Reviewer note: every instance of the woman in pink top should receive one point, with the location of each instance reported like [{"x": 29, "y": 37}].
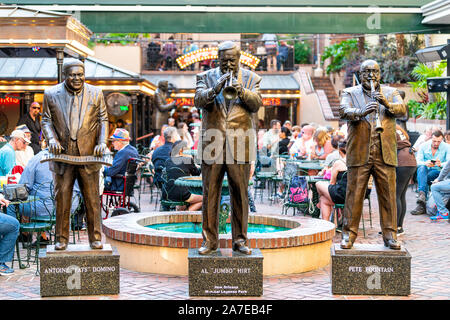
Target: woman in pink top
[{"x": 322, "y": 146}]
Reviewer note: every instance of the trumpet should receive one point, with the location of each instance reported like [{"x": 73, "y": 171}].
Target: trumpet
[
  {"x": 378, "y": 126},
  {"x": 230, "y": 92}
]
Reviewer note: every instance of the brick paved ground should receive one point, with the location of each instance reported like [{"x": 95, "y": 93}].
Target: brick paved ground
[{"x": 427, "y": 242}]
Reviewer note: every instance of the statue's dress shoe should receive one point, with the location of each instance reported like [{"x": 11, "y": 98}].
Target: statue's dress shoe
[
  {"x": 346, "y": 244},
  {"x": 96, "y": 245},
  {"x": 205, "y": 249},
  {"x": 392, "y": 244},
  {"x": 242, "y": 248},
  {"x": 60, "y": 246}
]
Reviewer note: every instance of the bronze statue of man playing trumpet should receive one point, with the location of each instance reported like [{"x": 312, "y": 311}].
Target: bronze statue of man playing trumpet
[
  {"x": 371, "y": 110},
  {"x": 228, "y": 95}
]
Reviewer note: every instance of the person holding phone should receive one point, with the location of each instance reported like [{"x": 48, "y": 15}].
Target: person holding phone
[{"x": 431, "y": 158}]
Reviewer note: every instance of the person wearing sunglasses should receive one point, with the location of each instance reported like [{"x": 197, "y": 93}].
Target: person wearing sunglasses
[{"x": 32, "y": 121}]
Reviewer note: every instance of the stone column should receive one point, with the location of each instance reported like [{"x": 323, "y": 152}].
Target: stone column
[
  {"x": 59, "y": 62},
  {"x": 134, "y": 102}
]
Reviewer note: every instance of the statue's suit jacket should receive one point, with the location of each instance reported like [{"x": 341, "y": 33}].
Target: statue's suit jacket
[
  {"x": 231, "y": 118},
  {"x": 93, "y": 128},
  {"x": 359, "y": 129}
]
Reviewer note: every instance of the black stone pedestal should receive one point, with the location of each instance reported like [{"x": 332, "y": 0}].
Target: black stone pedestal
[
  {"x": 370, "y": 269},
  {"x": 225, "y": 273},
  {"x": 79, "y": 270}
]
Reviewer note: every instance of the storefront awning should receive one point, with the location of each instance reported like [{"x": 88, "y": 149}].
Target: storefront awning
[
  {"x": 246, "y": 16},
  {"x": 22, "y": 74},
  {"x": 45, "y": 68}
]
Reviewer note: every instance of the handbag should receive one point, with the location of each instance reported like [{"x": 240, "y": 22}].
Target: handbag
[
  {"x": 15, "y": 192},
  {"x": 298, "y": 190}
]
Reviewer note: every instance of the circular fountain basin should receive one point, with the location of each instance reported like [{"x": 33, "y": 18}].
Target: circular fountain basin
[
  {"x": 303, "y": 246},
  {"x": 196, "y": 227}
]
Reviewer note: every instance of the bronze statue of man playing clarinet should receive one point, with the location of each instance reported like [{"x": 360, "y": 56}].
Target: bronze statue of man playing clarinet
[
  {"x": 371, "y": 110},
  {"x": 75, "y": 123}
]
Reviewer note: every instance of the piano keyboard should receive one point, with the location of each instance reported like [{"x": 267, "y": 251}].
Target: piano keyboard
[{"x": 106, "y": 159}]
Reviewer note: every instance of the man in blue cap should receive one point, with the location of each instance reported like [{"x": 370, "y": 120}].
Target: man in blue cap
[{"x": 125, "y": 151}]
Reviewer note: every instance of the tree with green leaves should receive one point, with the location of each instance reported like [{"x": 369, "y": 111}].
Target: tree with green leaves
[
  {"x": 338, "y": 53},
  {"x": 432, "y": 105}
]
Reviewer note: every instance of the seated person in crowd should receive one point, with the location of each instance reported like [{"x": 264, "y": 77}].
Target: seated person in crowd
[
  {"x": 431, "y": 157},
  {"x": 270, "y": 138},
  {"x": 195, "y": 138},
  {"x": 334, "y": 155},
  {"x": 18, "y": 141},
  {"x": 178, "y": 166},
  {"x": 288, "y": 125},
  {"x": 440, "y": 189},
  {"x": 333, "y": 192},
  {"x": 295, "y": 134},
  {"x": 285, "y": 134},
  {"x": 125, "y": 151},
  {"x": 9, "y": 231},
  {"x": 447, "y": 137},
  {"x": 38, "y": 179},
  {"x": 161, "y": 154},
  {"x": 158, "y": 141},
  {"x": 302, "y": 147},
  {"x": 283, "y": 149},
  {"x": 322, "y": 145},
  {"x": 23, "y": 156},
  {"x": 183, "y": 132},
  {"x": 424, "y": 137}
]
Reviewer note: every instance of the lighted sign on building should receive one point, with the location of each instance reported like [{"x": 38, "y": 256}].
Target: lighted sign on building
[
  {"x": 9, "y": 101},
  {"x": 271, "y": 101},
  {"x": 182, "y": 101},
  {"x": 211, "y": 54}
]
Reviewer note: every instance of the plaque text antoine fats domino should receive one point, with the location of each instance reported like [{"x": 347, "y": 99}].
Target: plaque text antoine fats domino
[{"x": 71, "y": 269}]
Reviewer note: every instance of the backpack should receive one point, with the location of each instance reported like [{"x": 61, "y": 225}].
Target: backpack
[{"x": 298, "y": 190}]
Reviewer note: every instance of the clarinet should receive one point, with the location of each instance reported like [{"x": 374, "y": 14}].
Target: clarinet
[{"x": 378, "y": 127}]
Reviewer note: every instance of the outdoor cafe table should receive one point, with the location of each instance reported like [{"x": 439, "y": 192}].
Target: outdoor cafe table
[
  {"x": 195, "y": 184},
  {"x": 307, "y": 167}
]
